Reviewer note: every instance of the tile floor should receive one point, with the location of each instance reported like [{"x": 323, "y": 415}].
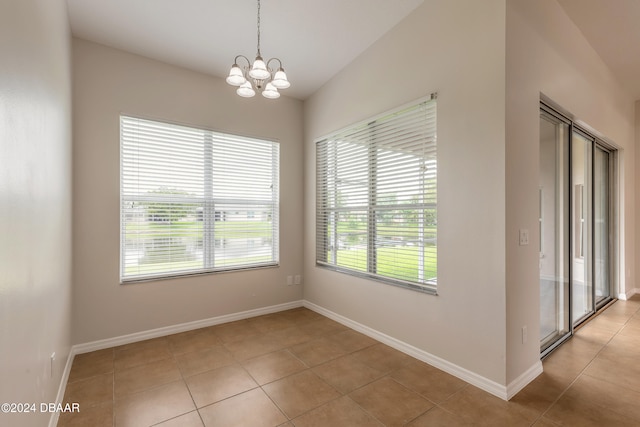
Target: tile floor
[{"x": 298, "y": 368}]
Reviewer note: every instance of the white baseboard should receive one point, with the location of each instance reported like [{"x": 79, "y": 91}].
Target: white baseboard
[
  {"x": 490, "y": 386},
  {"x": 521, "y": 382},
  {"x": 624, "y": 296},
  {"x": 154, "y": 333},
  {"x": 53, "y": 421},
  {"x": 470, "y": 377},
  {"x": 182, "y": 327}
]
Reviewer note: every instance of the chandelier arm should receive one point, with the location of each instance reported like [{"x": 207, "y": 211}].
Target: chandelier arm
[
  {"x": 245, "y": 58},
  {"x": 274, "y": 59}
]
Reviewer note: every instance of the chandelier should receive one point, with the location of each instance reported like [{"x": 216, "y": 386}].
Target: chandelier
[{"x": 259, "y": 75}]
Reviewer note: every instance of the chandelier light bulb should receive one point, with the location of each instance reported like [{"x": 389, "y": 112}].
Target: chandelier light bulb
[
  {"x": 280, "y": 79},
  {"x": 236, "y": 77},
  {"x": 271, "y": 92},
  {"x": 259, "y": 70},
  {"x": 245, "y": 90}
]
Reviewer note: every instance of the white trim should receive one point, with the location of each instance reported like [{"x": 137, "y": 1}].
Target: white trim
[
  {"x": 624, "y": 296},
  {"x": 470, "y": 377},
  {"x": 154, "y": 333},
  {"x": 524, "y": 379},
  {"x": 53, "y": 421},
  {"x": 182, "y": 327},
  {"x": 479, "y": 381}
]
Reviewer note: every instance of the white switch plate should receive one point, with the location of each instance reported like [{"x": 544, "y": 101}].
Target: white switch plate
[{"x": 524, "y": 236}]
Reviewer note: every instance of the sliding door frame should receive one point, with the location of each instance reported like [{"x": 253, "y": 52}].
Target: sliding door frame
[
  {"x": 553, "y": 113},
  {"x": 547, "y": 107},
  {"x": 611, "y": 225}
]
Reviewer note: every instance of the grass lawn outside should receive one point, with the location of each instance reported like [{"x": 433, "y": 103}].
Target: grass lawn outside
[
  {"x": 160, "y": 247},
  {"x": 194, "y": 229},
  {"x": 398, "y": 262},
  {"x": 394, "y": 261}
]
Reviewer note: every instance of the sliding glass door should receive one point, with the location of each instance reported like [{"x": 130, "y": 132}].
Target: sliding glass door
[
  {"x": 575, "y": 227},
  {"x": 581, "y": 208},
  {"x": 602, "y": 224},
  {"x": 555, "y": 323}
]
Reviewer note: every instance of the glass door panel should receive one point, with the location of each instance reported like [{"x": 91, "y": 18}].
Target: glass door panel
[
  {"x": 575, "y": 226},
  {"x": 554, "y": 227},
  {"x": 581, "y": 203},
  {"x": 601, "y": 186}
]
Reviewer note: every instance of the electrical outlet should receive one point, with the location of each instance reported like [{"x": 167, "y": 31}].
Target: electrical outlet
[
  {"x": 524, "y": 237},
  {"x": 289, "y": 280},
  {"x": 298, "y": 279}
]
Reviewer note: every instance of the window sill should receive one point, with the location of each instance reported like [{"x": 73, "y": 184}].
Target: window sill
[
  {"x": 142, "y": 279},
  {"x": 429, "y": 288}
]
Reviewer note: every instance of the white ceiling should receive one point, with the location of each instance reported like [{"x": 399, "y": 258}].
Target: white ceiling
[
  {"x": 612, "y": 27},
  {"x": 314, "y": 39}
]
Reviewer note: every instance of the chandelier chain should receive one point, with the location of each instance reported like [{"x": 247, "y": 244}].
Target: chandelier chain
[{"x": 259, "y": 28}]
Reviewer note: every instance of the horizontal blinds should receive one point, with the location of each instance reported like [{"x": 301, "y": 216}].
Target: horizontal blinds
[
  {"x": 376, "y": 197},
  {"x": 195, "y": 201}
]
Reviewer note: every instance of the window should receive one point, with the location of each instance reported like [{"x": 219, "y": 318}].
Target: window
[
  {"x": 195, "y": 201},
  {"x": 376, "y": 198}
]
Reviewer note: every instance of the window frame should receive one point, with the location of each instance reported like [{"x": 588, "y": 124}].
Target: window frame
[
  {"x": 373, "y": 208},
  {"x": 210, "y": 213}
]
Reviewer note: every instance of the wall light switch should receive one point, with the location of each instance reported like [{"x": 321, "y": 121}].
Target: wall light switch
[
  {"x": 524, "y": 236},
  {"x": 298, "y": 279},
  {"x": 289, "y": 280}
]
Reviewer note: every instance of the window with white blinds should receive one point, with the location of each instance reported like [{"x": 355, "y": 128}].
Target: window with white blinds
[
  {"x": 195, "y": 201},
  {"x": 376, "y": 198}
]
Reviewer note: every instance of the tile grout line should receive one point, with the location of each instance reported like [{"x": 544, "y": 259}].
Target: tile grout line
[
  {"x": 388, "y": 374},
  {"x": 239, "y": 362},
  {"x": 310, "y": 368},
  {"x": 173, "y": 357},
  {"x": 197, "y": 410},
  {"x": 588, "y": 364},
  {"x": 259, "y": 385},
  {"x": 155, "y": 387},
  {"x": 439, "y": 404}
]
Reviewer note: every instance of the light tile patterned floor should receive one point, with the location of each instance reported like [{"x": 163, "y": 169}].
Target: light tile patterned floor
[{"x": 298, "y": 368}]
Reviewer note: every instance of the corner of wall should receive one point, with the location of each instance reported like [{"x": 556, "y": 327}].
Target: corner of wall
[{"x": 36, "y": 190}]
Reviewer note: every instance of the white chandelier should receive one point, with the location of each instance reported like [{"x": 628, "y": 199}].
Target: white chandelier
[{"x": 258, "y": 75}]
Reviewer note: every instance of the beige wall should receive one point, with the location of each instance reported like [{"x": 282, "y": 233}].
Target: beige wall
[
  {"x": 488, "y": 141},
  {"x": 547, "y": 54},
  {"x": 455, "y": 49},
  {"x": 35, "y": 202},
  {"x": 108, "y": 82}
]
